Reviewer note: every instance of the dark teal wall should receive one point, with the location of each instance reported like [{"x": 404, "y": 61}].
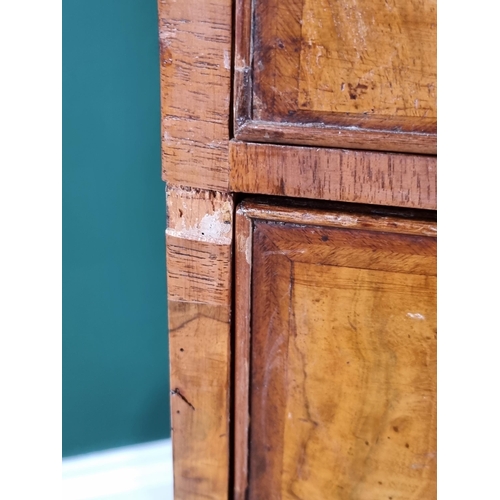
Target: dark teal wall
[{"x": 115, "y": 375}]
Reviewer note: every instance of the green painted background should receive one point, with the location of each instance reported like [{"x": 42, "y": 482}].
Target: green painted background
[{"x": 115, "y": 374}]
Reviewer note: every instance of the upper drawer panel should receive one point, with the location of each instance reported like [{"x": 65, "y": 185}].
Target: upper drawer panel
[{"x": 349, "y": 73}]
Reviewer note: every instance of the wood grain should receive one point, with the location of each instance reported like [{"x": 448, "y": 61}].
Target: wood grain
[
  {"x": 353, "y": 74},
  {"x": 370, "y": 56},
  {"x": 314, "y": 132},
  {"x": 356, "y": 248},
  {"x": 270, "y": 313},
  {"x": 242, "y": 317},
  {"x": 276, "y": 57},
  {"x": 195, "y": 62},
  {"x": 199, "y": 241},
  {"x": 361, "y": 405},
  {"x": 417, "y": 222},
  {"x": 332, "y": 174},
  {"x": 343, "y": 352},
  {"x": 242, "y": 83}
]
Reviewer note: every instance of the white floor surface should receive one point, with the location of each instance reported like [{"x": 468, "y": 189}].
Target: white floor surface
[{"x": 139, "y": 472}]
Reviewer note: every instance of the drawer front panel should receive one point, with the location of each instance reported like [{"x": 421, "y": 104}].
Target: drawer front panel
[
  {"x": 357, "y": 73},
  {"x": 342, "y": 356}
]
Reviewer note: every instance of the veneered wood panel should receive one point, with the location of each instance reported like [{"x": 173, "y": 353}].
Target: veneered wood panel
[
  {"x": 360, "y": 414},
  {"x": 199, "y": 239},
  {"x": 276, "y": 58},
  {"x": 343, "y": 354},
  {"x": 333, "y": 174},
  {"x": 354, "y": 74},
  {"x": 376, "y": 57},
  {"x": 271, "y": 275},
  {"x": 356, "y": 248},
  {"x": 195, "y": 62}
]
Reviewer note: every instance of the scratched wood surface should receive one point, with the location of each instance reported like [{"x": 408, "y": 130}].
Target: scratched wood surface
[
  {"x": 195, "y": 65},
  {"x": 369, "y": 56},
  {"x": 199, "y": 240},
  {"x": 343, "y": 355},
  {"x": 334, "y": 174},
  {"x": 358, "y": 74}
]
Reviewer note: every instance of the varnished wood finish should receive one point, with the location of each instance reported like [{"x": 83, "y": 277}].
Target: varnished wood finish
[
  {"x": 309, "y": 75},
  {"x": 242, "y": 318},
  {"x": 370, "y": 56},
  {"x": 358, "y": 74},
  {"x": 333, "y": 174},
  {"x": 195, "y": 62},
  {"x": 242, "y": 64},
  {"x": 339, "y": 136},
  {"x": 343, "y": 345},
  {"x": 199, "y": 241},
  {"x": 416, "y": 222}
]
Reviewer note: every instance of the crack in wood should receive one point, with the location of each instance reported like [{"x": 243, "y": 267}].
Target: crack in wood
[{"x": 176, "y": 392}]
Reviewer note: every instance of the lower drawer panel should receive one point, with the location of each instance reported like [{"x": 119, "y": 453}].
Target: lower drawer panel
[{"x": 341, "y": 348}]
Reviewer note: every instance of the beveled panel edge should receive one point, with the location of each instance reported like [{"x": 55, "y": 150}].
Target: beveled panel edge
[
  {"x": 242, "y": 333},
  {"x": 327, "y": 135},
  {"x": 275, "y": 212}
]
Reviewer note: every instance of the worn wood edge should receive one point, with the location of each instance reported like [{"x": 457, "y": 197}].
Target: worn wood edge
[
  {"x": 325, "y": 135},
  {"x": 408, "y": 125},
  {"x": 242, "y": 322},
  {"x": 242, "y": 80},
  {"x": 195, "y": 38},
  {"x": 370, "y": 177},
  {"x": 331, "y": 218},
  {"x": 200, "y": 215},
  {"x": 200, "y": 317}
]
